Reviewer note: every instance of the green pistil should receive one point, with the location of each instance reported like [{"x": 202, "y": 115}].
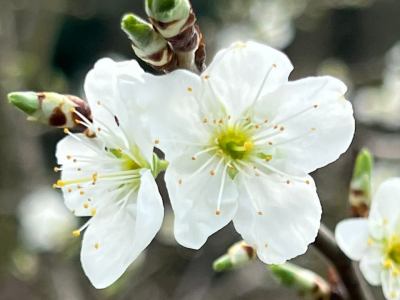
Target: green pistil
[{"x": 234, "y": 144}]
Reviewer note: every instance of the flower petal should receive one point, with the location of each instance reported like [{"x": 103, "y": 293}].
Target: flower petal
[
  {"x": 168, "y": 105},
  {"x": 116, "y": 236},
  {"x": 312, "y": 122},
  {"x": 238, "y": 74},
  {"x": 277, "y": 218},
  {"x": 352, "y": 237},
  {"x": 194, "y": 197},
  {"x": 385, "y": 208},
  {"x": 371, "y": 265},
  {"x": 390, "y": 284}
]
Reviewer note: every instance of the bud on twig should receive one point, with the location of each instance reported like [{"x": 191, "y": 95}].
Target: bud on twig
[
  {"x": 149, "y": 45},
  {"x": 52, "y": 109},
  {"x": 238, "y": 255},
  {"x": 308, "y": 284},
  {"x": 360, "y": 186},
  {"x": 175, "y": 21}
]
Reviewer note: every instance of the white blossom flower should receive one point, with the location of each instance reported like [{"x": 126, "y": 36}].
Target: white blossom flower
[
  {"x": 375, "y": 241},
  {"x": 241, "y": 140},
  {"x": 45, "y": 222},
  {"x": 110, "y": 177}
]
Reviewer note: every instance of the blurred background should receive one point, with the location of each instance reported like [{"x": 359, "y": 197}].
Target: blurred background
[{"x": 49, "y": 45}]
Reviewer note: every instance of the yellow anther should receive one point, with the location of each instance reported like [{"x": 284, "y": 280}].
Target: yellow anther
[
  {"x": 220, "y": 121},
  {"x": 66, "y": 130},
  {"x": 69, "y": 190},
  {"x": 96, "y": 245},
  {"x": 73, "y": 211},
  {"x": 387, "y": 263},
  {"x": 276, "y": 126},
  {"x": 180, "y": 181},
  {"x": 288, "y": 181},
  {"x": 72, "y": 109},
  {"x": 249, "y": 145},
  {"x": 60, "y": 183},
  {"x": 313, "y": 128},
  {"x": 392, "y": 295},
  {"x": 370, "y": 242},
  {"x": 56, "y": 169},
  {"x": 79, "y": 186},
  {"x": 119, "y": 150},
  {"x": 268, "y": 159},
  {"x": 266, "y": 245},
  {"x": 190, "y": 89},
  {"x": 74, "y": 160},
  {"x": 385, "y": 221},
  {"x": 93, "y": 212},
  {"x": 282, "y": 128},
  {"x": 89, "y": 199},
  {"x": 260, "y": 213},
  {"x": 205, "y": 121},
  {"x": 55, "y": 186},
  {"x": 82, "y": 192},
  {"x": 76, "y": 233},
  {"x": 193, "y": 158},
  {"x": 257, "y": 126},
  {"x": 94, "y": 176},
  {"x": 212, "y": 173},
  {"x": 274, "y": 65},
  {"x": 85, "y": 205},
  {"x": 77, "y": 121},
  {"x": 308, "y": 181},
  {"x": 217, "y": 212},
  {"x": 156, "y": 142},
  {"x": 207, "y": 76},
  {"x": 68, "y": 156},
  {"x": 79, "y": 169},
  {"x": 98, "y": 102},
  {"x": 396, "y": 272}
]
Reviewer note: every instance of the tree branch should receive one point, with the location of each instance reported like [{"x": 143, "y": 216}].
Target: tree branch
[{"x": 347, "y": 270}]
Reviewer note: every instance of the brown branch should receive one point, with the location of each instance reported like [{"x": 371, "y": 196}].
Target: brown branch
[{"x": 348, "y": 271}]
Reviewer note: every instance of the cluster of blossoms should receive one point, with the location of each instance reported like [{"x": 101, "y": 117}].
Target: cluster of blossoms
[{"x": 240, "y": 141}]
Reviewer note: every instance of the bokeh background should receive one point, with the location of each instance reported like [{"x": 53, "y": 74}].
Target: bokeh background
[{"x": 49, "y": 45}]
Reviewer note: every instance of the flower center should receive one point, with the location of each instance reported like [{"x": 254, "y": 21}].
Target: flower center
[
  {"x": 235, "y": 144},
  {"x": 394, "y": 253}
]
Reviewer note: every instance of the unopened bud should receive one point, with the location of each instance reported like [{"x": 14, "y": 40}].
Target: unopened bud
[
  {"x": 149, "y": 45},
  {"x": 237, "y": 256},
  {"x": 360, "y": 186},
  {"x": 308, "y": 284},
  {"x": 51, "y": 108}
]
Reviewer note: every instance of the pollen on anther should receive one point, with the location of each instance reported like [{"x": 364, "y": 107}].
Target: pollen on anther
[
  {"x": 308, "y": 181},
  {"x": 73, "y": 212},
  {"x": 96, "y": 245},
  {"x": 56, "y": 169},
  {"x": 180, "y": 181},
  {"x": 79, "y": 169},
  {"x": 220, "y": 121},
  {"x": 257, "y": 126},
  {"x": 212, "y": 173},
  {"x": 315, "y": 106},
  {"x": 207, "y": 76},
  {"x": 74, "y": 160},
  {"x": 392, "y": 295},
  {"x": 217, "y": 212},
  {"x": 156, "y": 142},
  {"x": 76, "y": 233},
  {"x": 68, "y": 156},
  {"x": 268, "y": 159},
  {"x": 205, "y": 121},
  {"x": 66, "y": 130},
  {"x": 266, "y": 245},
  {"x": 288, "y": 181},
  {"x": 60, "y": 183},
  {"x": 119, "y": 150},
  {"x": 82, "y": 192},
  {"x": 86, "y": 205},
  {"x": 193, "y": 158},
  {"x": 94, "y": 176},
  {"x": 313, "y": 128},
  {"x": 260, "y": 213},
  {"x": 55, "y": 186},
  {"x": 69, "y": 190},
  {"x": 190, "y": 89},
  {"x": 282, "y": 128},
  {"x": 72, "y": 109},
  {"x": 77, "y": 122},
  {"x": 276, "y": 126},
  {"x": 387, "y": 263},
  {"x": 248, "y": 146},
  {"x": 98, "y": 102},
  {"x": 93, "y": 212}
]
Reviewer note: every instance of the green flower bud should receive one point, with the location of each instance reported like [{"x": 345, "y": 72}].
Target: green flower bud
[
  {"x": 308, "y": 284},
  {"x": 360, "y": 186},
  {"x": 237, "y": 256},
  {"x": 51, "y": 108},
  {"x": 167, "y": 11}
]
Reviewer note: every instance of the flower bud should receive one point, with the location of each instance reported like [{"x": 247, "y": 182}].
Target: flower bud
[
  {"x": 149, "y": 45},
  {"x": 238, "y": 255},
  {"x": 51, "y": 108},
  {"x": 360, "y": 185},
  {"x": 308, "y": 284}
]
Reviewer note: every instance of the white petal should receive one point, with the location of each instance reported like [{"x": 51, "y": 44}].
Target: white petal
[
  {"x": 169, "y": 106},
  {"x": 385, "y": 207},
  {"x": 290, "y": 217},
  {"x": 371, "y": 264},
  {"x": 352, "y": 237},
  {"x": 390, "y": 284},
  {"x": 121, "y": 234},
  {"x": 237, "y": 74},
  {"x": 194, "y": 199},
  {"x": 317, "y": 122},
  {"x": 112, "y": 115}
]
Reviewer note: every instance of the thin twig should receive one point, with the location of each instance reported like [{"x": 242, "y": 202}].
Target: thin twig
[{"x": 347, "y": 270}]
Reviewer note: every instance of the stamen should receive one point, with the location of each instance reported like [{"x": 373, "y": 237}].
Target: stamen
[
  {"x": 93, "y": 212},
  {"x": 221, "y": 189},
  {"x": 204, "y": 151},
  {"x": 76, "y": 233},
  {"x": 96, "y": 245}
]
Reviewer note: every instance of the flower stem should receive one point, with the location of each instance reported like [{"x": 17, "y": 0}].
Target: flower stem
[{"x": 353, "y": 280}]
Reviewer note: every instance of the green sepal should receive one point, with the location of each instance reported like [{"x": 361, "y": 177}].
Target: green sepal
[{"x": 28, "y": 102}]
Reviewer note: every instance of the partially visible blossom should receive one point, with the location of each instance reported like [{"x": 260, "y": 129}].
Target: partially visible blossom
[
  {"x": 110, "y": 178},
  {"x": 375, "y": 241},
  {"x": 241, "y": 141},
  {"x": 45, "y": 222}
]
